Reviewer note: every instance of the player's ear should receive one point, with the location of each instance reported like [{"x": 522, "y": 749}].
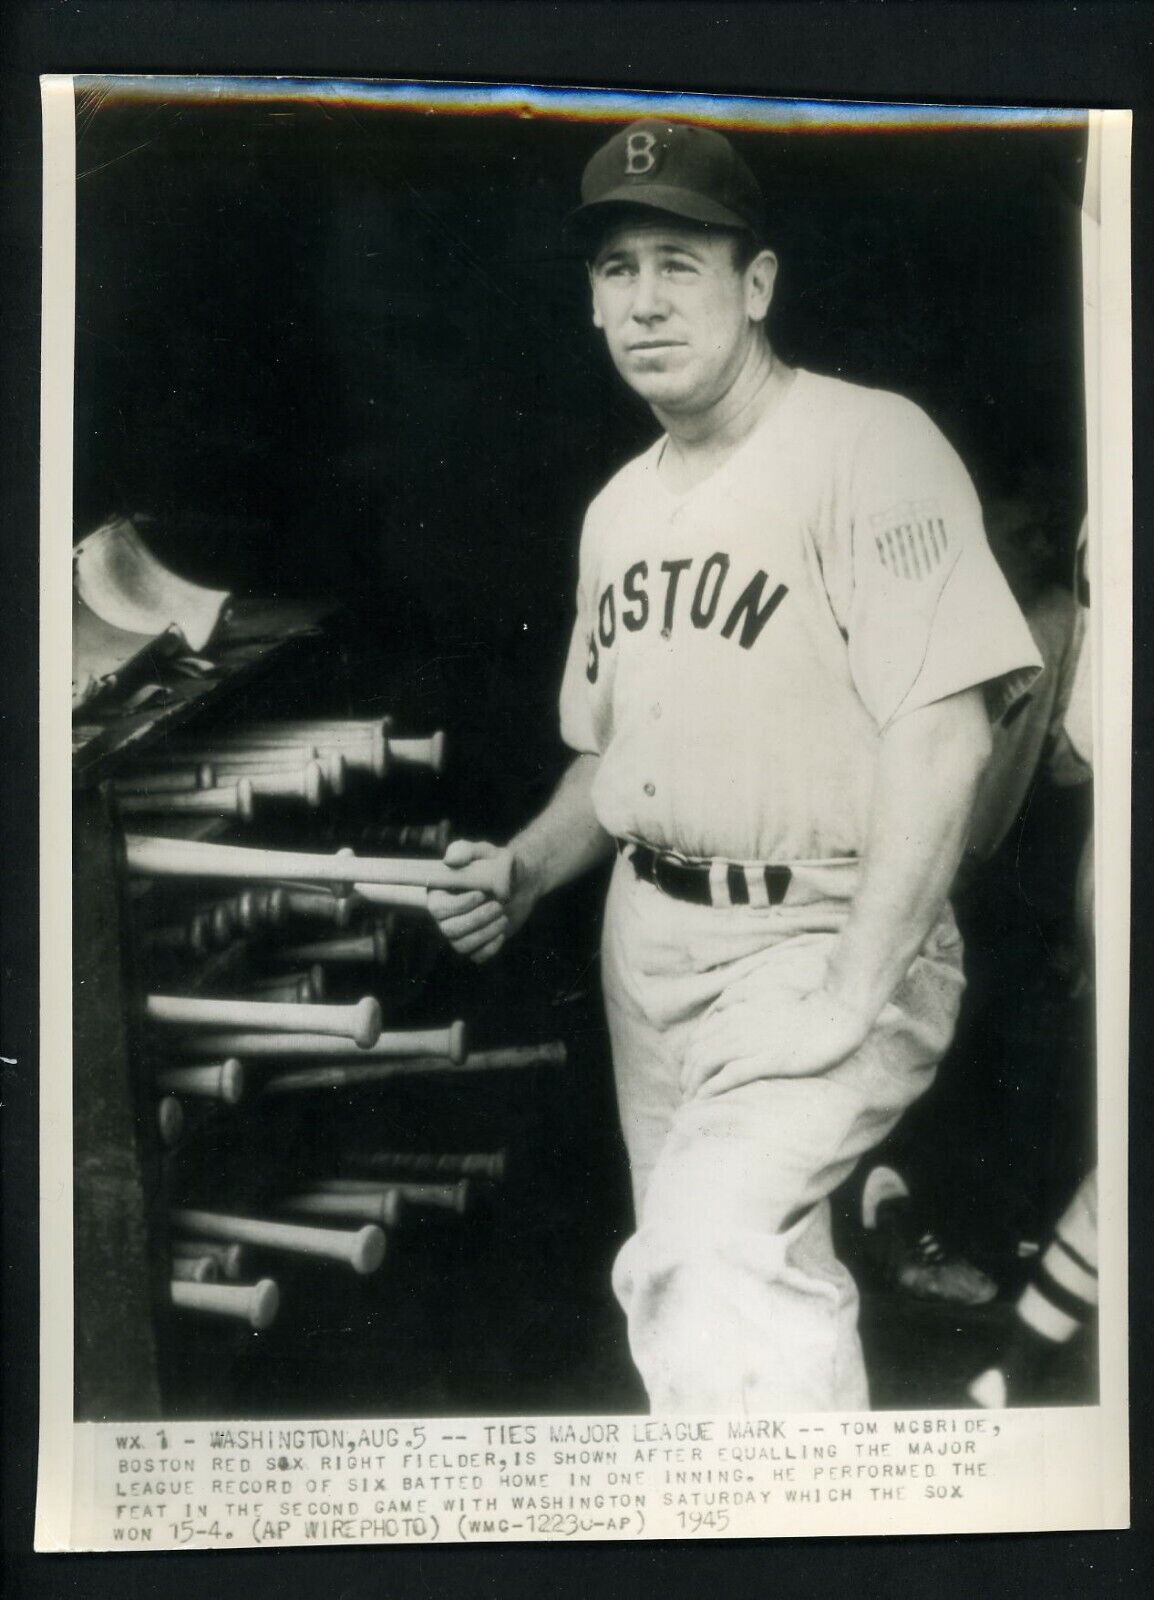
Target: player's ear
[
  {"x": 760, "y": 277},
  {"x": 598, "y": 320}
]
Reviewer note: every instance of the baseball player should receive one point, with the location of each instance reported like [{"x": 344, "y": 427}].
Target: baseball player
[
  {"x": 790, "y": 638},
  {"x": 1062, "y": 1294}
]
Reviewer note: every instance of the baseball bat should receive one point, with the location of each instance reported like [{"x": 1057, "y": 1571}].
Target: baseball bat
[
  {"x": 380, "y": 1206},
  {"x": 322, "y": 907},
  {"x": 170, "y": 1119},
  {"x": 363, "y": 1250},
  {"x": 307, "y": 988},
  {"x": 360, "y": 1022},
  {"x": 427, "y": 836},
  {"x": 254, "y": 1303},
  {"x": 193, "y": 937},
  {"x": 230, "y": 1258},
  {"x": 418, "y": 1164},
  {"x": 170, "y": 780},
  {"x": 370, "y": 946},
  {"x": 220, "y": 967},
  {"x": 192, "y": 858},
  {"x": 223, "y": 802},
  {"x": 227, "y": 751},
  {"x": 398, "y": 896},
  {"x": 349, "y": 1074},
  {"x": 445, "y": 1196},
  {"x": 447, "y": 1042},
  {"x": 220, "y": 1080},
  {"x": 195, "y": 1269},
  {"x": 362, "y": 744},
  {"x": 231, "y": 760},
  {"x": 259, "y": 908},
  {"x": 234, "y": 757},
  {"x": 306, "y": 783}
]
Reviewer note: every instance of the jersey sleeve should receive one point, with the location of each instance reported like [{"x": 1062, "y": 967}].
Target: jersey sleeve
[
  {"x": 579, "y": 718},
  {"x": 929, "y": 613},
  {"x": 577, "y": 722}
]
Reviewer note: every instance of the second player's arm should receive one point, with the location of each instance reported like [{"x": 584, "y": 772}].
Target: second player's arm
[
  {"x": 929, "y": 766},
  {"x": 560, "y": 844}
]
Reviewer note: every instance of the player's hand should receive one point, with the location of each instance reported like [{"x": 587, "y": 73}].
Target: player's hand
[
  {"x": 741, "y": 1043},
  {"x": 475, "y": 923}
]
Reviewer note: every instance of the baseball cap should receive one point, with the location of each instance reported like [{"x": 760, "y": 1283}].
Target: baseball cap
[{"x": 672, "y": 167}]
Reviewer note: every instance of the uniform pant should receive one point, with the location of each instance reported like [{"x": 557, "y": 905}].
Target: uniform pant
[{"x": 735, "y": 1300}]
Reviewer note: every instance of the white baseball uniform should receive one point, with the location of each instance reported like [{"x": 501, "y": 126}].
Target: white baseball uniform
[{"x": 739, "y": 650}]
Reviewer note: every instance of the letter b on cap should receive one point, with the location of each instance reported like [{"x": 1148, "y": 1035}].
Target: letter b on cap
[{"x": 639, "y": 157}]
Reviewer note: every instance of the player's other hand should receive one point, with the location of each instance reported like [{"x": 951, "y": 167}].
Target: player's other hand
[
  {"x": 473, "y": 921},
  {"x": 740, "y": 1043}
]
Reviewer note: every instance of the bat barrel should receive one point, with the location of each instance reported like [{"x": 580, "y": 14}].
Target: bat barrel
[
  {"x": 345, "y": 1074},
  {"x": 446, "y": 1196},
  {"x": 417, "y": 1164}
]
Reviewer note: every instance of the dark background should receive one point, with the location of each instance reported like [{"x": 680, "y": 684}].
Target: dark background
[
  {"x": 339, "y": 349},
  {"x": 1009, "y": 53}
]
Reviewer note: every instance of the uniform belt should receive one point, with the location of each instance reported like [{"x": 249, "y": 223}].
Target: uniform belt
[{"x": 708, "y": 883}]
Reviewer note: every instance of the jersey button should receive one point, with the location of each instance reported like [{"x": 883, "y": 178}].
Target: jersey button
[{"x": 651, "y": 789}]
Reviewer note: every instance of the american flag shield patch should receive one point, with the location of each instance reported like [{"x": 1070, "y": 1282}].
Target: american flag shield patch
[{"x": 910, "y": 540}]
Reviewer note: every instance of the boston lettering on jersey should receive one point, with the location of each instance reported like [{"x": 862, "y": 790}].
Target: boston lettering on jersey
[{"x": 638, "y": 608}]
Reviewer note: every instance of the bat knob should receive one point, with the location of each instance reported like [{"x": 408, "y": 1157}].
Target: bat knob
[
  {"x": 205, "y": 775},
  {"x": 231, "y": 1081},
  {"x": 264, "y": 1305},
  {"x": 391, "y": 1208},
  {"x": 170, "y": 1119},
  {"x": 458, "y": 1043},
  {"x": 275, "y": 907},
  {"x": 244, "y": 800},
  {"x": 437, "y": 753},
  {"x": 462, "y": 1193},
  {"x": 368, "y": 1249},
  {"x": 367, "y": 1023},
  {"x": 380, "y": 943},
  {"x": 314, "y": 784}
]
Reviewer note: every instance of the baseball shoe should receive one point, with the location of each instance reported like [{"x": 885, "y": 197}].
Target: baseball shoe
[{"x": 909, "y": 1255}]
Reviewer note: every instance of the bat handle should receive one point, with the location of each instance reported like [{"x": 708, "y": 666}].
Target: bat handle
[{"x": 491, "y": 874}]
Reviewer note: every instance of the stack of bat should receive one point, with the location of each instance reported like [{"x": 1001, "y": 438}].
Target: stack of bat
[
  {"x": 238, "y": 770},
  {"x": 253, "y": 960}
]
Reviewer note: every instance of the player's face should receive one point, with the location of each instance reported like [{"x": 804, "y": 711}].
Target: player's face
[{"x": 679, "y": 318}]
